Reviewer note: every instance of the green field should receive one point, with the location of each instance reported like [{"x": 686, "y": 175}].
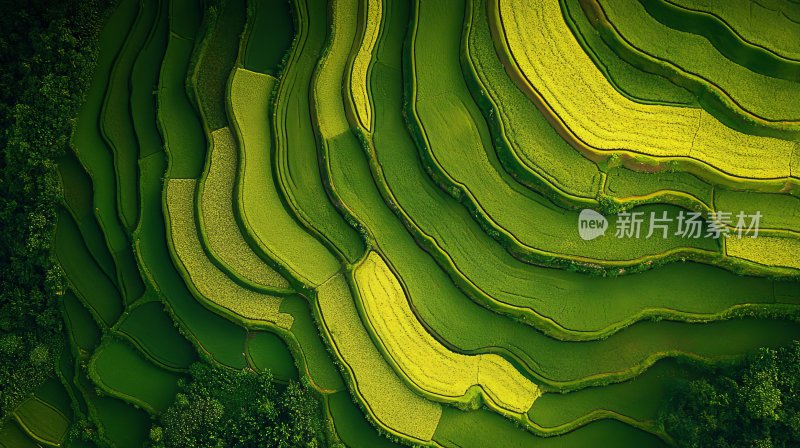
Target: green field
[{"x": 379, "y": 209}]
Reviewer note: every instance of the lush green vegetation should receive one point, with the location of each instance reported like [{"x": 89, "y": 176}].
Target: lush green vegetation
[
  {"x": 220, "y": 407},
  {"x": 753, "y": 403},
  {"x": 358, "y": 223},
  {"x": 47, "y": 52}
]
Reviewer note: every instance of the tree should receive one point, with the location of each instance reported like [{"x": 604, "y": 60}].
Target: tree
[
  {"x": 238, "y": 408},
  {"x": 753, "y": 404},
  {"x": 46, "y": 60}
]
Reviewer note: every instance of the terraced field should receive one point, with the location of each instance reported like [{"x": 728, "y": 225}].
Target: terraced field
[{"x": 387, "y": 201}]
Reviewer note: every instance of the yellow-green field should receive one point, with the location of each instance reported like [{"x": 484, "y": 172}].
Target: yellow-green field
[{"x": 417, "y": 210}]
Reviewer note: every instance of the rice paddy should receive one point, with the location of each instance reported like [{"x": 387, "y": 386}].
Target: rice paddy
[{"x": 382, "y": 199}]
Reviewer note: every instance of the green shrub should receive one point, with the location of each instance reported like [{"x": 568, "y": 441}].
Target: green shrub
[
  {"x": 47, "y": 50},
  {"x": 239, "y": 408},
  {"x": 753, "y": 404}
]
